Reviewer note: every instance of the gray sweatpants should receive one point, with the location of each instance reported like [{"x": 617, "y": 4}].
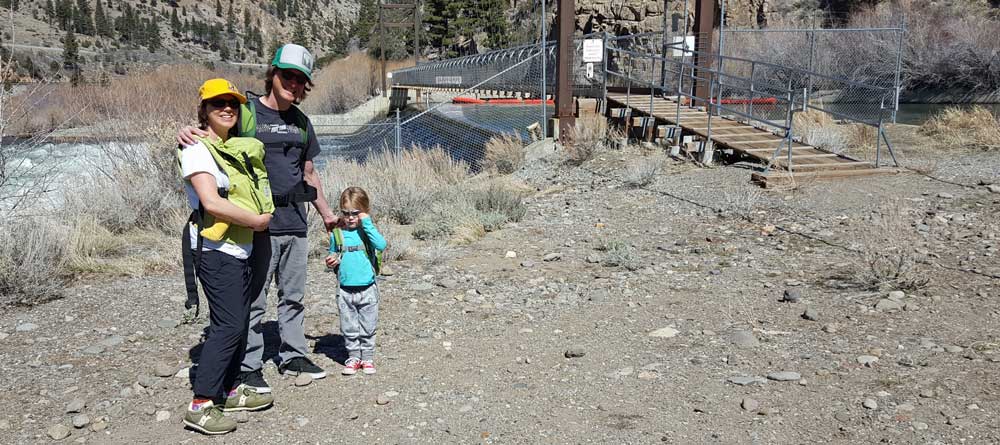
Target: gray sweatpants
[
  {"x": 358, "y": 319},
  {"x": 287, "y": 256}
]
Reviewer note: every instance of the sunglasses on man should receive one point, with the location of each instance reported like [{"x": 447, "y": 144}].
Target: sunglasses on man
[
  {"x": 291, "y": 75},
  {"x": 222, "y": 103}
]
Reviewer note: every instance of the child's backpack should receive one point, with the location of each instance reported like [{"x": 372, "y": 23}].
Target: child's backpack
[{"x": 374, "y": 256}]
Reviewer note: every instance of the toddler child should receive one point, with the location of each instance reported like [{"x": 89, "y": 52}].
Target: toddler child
[{"x": 355, "y": 250}]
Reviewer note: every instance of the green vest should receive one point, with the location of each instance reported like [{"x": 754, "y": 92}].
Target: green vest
[{"x": 242, "y": 160}]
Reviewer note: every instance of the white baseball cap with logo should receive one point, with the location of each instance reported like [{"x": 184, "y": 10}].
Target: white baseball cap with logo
[{"x": 296, "y": 57}]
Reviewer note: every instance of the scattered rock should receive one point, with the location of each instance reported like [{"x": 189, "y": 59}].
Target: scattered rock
[
  {"x": 945, "y": 195},
  {"x": 303, "y": 380},
  {"x": 746, "y": 380},
  {"x": 667, "y": 332},
  {"x": 919, "y": 426},
  {"x": 99, "y": 426},
  {"x": 58, "y": 432},
  {"x": 80, "y": 421},
  {"x": 749, "y": 404},
  {"x": 465, "y": 408},
  {"x": 792, "y": 296},
  {"x": 896, "y": 295},
  {"x": 552, "y": 257},
  {"x": 75, "y": 406},
  {"x": 4, "y": 425},
  {"x": 810, "y": 314},
  {"x": 784, "y": 376},
  {"x": 184, "y": 373},
  {"x": 886, "y": 304},
  {"x": 167, "y": 323},
  {"x": 867, "y": 360},
  {"x": 993, "y": 188},
  {"x": 510, "y": 254},
  {"x": 870, "y": 404},
  {"x": 162, "y": 369},
  {"x": 953, "y": 349},
  {"x": 830, "y": 328},
  {"x": 575, "y": 352},
  {"x": 527, "y": 264},
  {"x": 301, "y": 422},
  {"x": 905, "y": 407},
  {"x": 147, "y": 381},
  {"x": 93, "y": 349},
  {"x": 382, "y": 399},
  {"x": 25, "y": 327},
  {"x": 927, "y": 393},
  {"x": 744, "y": 339},
  {"x": 593, "y": 258},
  {"x": 162, "y": 415},
  {"x": 241, "y": 417},
  {"x": 421, "y": 286}
]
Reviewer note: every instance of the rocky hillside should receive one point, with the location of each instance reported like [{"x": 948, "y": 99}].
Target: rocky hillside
[{"x": 114, "y": 35}]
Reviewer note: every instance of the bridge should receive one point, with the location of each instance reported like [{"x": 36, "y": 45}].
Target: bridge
[{"x": 741, "y": 102}]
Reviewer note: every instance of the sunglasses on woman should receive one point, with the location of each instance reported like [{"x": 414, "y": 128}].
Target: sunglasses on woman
[
  {"x": 294, "y": 75},
  {"x": 222, "y": 103}
]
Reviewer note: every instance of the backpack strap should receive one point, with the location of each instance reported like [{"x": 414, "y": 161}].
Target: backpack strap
[
  {"x": 338, "y": 239},
  {"x": 369, "y": 250}
]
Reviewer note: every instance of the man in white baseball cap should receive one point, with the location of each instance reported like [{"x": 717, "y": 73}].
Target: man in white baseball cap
[{"x": 281, "y": 252}]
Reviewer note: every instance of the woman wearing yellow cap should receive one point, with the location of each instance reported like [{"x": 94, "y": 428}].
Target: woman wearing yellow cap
[{"x": 230, "y": 196}]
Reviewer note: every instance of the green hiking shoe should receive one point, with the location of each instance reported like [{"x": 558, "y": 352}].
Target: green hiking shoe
[
  {"x": 209, "y": 420},
  {"x": 247, "y": 398}
]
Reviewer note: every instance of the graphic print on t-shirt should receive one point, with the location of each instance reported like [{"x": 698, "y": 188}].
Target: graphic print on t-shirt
[{"x": 282, "y": 139}]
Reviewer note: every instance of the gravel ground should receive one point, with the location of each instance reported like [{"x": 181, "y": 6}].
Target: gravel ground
[{"x": 697, "y": 309}]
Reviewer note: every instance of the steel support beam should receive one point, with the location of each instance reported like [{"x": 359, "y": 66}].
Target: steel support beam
[
  {"x": 704, "y": 26},
  {"x": 565, "y": 106}
]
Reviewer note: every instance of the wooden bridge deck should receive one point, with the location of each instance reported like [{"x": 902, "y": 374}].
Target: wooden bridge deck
[{"x": 751, "y": 141}]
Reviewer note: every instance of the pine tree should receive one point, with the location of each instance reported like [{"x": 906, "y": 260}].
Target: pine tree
[
  {"x": 493, "y": 21},
  {"x": 218, "y": 8},
  {"x": 246, "y": 20},
  {"x": 71, "y": 50},
  {"x": 175, "y": 24},
  {"x": 102, "y": 23},
  {"x": 230, "y": 22},
  {"x": 84, "y": 18},
  {"x": 153, "y": 41},
  {"x": 77, "y": 79},
  {"x": 299, "y": 34},
  {"x": 280, "y": 10},
  {"x": 367, "y": 18},
  {"x": 50, "y": 10}
]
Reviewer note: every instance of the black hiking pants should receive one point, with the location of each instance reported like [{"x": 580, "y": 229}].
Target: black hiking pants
[{"x": 226, "y": 282}]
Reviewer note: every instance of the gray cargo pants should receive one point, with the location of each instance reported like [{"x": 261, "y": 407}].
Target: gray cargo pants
[
  {"x": 285, "y": 256},
  {"x": 358, "y": 319}
]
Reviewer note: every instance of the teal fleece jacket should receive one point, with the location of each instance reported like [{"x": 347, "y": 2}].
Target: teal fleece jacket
[{"x": 355, "y": 269}]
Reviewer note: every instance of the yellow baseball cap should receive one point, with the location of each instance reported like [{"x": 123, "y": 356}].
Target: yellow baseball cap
[{"x": 218, "y": 87}]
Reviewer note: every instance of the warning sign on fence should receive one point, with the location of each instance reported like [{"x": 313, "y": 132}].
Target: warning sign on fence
[{"x": 447, "y": 80}]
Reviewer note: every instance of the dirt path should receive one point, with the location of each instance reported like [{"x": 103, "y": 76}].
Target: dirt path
[{"x": 474, "y": 345}]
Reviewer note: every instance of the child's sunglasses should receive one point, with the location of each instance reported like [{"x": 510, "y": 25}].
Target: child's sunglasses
[
  {"x": 350, "y": 212},
  {"x": 221, "y": 103}
]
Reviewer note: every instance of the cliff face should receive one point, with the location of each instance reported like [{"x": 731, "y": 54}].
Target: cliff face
[{"x": 636, "y": 16}]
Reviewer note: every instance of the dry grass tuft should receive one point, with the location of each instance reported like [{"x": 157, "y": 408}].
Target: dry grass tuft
[
  {"x": 885, "y": 250},
  {"x": 975, "y": 127},
  {"x": 642, "y": 171},
  {"x": 504, "y": 154},
  {"x": 589, "y": 136},
  {"x": 821, "y": 131},
  {"x": 347, "y": 83},
  {"x": 32, "y": 260}
]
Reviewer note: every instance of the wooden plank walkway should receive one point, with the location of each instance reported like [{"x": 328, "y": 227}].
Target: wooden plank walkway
[{"x": 751, "y": 141}]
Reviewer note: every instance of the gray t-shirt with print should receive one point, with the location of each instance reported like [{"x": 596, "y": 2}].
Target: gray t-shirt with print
[{"x": 282, "y": 139}]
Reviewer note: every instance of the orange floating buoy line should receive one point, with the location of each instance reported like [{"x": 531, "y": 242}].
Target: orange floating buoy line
[{"x": 500, "y": 101}]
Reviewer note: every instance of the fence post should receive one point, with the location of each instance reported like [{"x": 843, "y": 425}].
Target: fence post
[
  {"x": 753, "y": 70},
  {"x": 707, "y": 148},
  {"x": 899, "y": 61},
  {"x": 789, "y": 123},
  {"x": 604, "y": 93},
  {"x": 812, "y": 46},
  {"x": 679, "y": 132},
  {"x": 398, "y": 132},
  {"x": 544, "y": 60}
]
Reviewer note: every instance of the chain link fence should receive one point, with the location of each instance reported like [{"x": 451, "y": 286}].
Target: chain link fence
[{"x": 457, "y": 105}]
